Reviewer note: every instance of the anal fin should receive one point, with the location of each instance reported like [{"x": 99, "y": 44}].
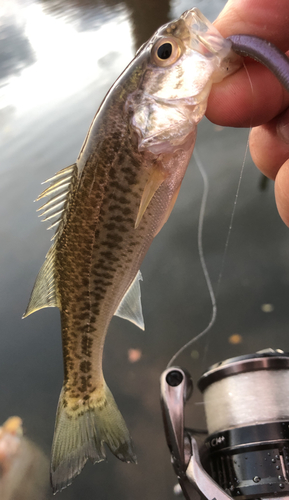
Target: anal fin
[{"x": 130, "y": 305}]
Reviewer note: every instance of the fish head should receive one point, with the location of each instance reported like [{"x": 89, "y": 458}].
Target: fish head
[{"x": 182, "y": 61}]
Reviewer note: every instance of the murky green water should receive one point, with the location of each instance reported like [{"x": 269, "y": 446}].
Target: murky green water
[{"x": 57, "y": 61}]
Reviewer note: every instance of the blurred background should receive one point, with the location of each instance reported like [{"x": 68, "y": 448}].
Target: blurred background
[{"x": 57, "y": 61}]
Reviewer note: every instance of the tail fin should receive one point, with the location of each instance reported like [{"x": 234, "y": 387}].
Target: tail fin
[{"x": 81, "y": 433}]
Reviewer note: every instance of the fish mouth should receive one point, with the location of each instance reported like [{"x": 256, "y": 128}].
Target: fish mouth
[
  {"x": 208, "y": 42},
  {"x": 205, "y": 38}
]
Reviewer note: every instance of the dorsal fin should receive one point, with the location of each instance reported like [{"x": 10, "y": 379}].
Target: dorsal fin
[
  {"x": 130, "y": 305},
  {"x": 60, "y": 190},
  {"x": 44, "y": 293}
]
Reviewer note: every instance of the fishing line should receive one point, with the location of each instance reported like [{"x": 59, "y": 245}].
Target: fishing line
[
  {"x": 203, "y": 262},
  {"x": 200, "y": 240},
  {"x": 201, "y": 250},
  {"x": 232, "y": 218},
  {"x": 236, "y": 195}
]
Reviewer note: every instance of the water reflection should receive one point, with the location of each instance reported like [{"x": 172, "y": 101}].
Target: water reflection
[
  {"x": 65, "y": 60},
  {"x": 58, "y": 60},
  {"x": 145, "y": 17},
  {"x": 16, "y": 50}
]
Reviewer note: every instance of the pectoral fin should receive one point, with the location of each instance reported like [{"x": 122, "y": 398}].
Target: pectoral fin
[
  {"x": 169, "y": 210},
  {"x": 154, "y": 181},
  {"x": 130, "y": 306}
]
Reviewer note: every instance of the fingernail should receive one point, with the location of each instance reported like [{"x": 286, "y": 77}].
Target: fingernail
[{"x": 282, "y": 127}]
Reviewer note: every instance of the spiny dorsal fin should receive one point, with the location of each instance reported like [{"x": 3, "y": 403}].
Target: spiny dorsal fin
[
  {"x": 59, "y": 191},
  {"x": 62, "y": 185},
  {"x": 130, "y": 305}
]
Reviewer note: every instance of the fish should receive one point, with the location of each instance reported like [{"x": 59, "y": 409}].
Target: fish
[
  {"x": 23, "y": 466},
  {"x": 106, "y": 209}
]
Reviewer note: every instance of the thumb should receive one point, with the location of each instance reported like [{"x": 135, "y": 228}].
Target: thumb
[
  {"x": 269, "y": 144},
  {"x": 282, "y": 192}
]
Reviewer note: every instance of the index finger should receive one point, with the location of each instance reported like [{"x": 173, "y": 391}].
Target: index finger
[{"x": 251, "y": 96}]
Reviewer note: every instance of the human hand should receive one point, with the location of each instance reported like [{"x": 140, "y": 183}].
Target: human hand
[{"x": 257, "y": 100}]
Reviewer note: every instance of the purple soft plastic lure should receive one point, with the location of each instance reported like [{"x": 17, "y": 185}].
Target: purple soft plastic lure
[{"x": 264, "y": 52}]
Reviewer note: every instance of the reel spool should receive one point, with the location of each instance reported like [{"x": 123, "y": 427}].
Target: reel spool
[{"x": 247, "y": 410}]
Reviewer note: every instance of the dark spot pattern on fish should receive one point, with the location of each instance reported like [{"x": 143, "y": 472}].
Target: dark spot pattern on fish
[
  {"x": 100, "y": 289},
  {"x": 85, "y": 383},
  {"x": 86, "y": 345},
  {"x": 120, "y": 199},
  {"x": 123, "y": 229},
  {"x": 110, "y": 226},
  {"x": 112, "y": 172},
  {"x": 112, "y": 245},
  {"x": 114, "y": 237},
  {"x": 96, "y": 246},
  {"x": 114, "y": 208},
  {"x": 85, "y": 366},
  {"x": 110, "y": 256},
  {"x": 127, "y": 211},
  {"x": 101, "y": 403}
]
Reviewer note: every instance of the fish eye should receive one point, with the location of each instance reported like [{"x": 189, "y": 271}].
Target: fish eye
[{"x": 166, "y": 52}]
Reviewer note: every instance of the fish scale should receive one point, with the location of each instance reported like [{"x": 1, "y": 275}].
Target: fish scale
[
  {"x": 114, "y": 241},
  {"x": 110, "y": 205}
]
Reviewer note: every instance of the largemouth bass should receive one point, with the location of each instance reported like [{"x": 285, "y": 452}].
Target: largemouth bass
[{"x": 110, "y": 205}]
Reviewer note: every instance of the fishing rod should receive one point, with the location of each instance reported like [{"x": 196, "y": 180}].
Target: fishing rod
[{"x": 246, "y": 452}]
